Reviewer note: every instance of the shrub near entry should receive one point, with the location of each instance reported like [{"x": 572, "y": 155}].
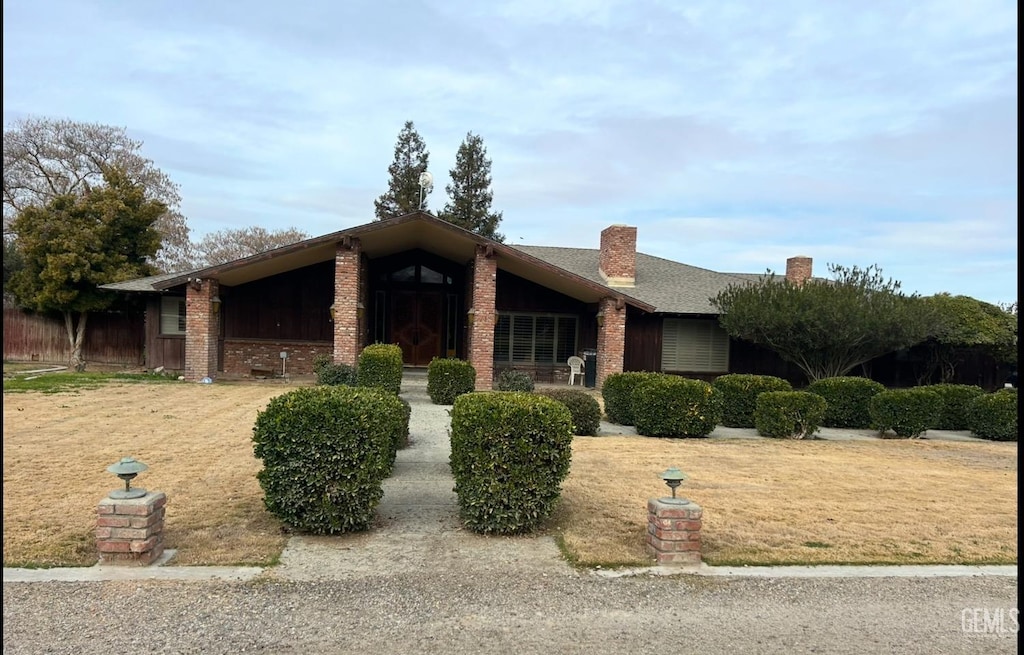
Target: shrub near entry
[
  {"x": 512, "y": 380},
  {"x": 448, "y": 379},
  {"x": 789, "y": 414},
  {"x": 739, "y": 393},
  {"x": 586, "y": 412},
  {"x": 380, "y": 365},
  {"x": 994, "y": 415},
  {"x": 326, "y": 451},
  {"x": 510, "y": 454},
  {"x": 617, "y": 392},
  {"x": 671, "y": 406}
]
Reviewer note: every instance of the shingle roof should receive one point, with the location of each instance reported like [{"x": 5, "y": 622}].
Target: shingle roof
[
  {"x": 143, "y": 283},
  {"x": 671, "y": 287}
]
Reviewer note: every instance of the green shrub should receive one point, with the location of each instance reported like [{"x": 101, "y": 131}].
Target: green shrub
[
  {"x": 326, "y": 451},
  {"x": 957, "y": 400},
  {"x": 401, "y": 434},
  {"x": 739, "y": 393},
  {"x": 510, "y": 454},
  {"x": 448, "y": 379},
  {"x": 320, "y": 361},
  {"x": 336, "y": 375},
  {"x": 907, "y": 412},
  {"x": 513, "y": 380},
  {"x": 847, "y": 400},
  {"x": 380, "y": 365},
  {"x": 617, "y": 392},
  {"x": 789, "y": 414},
  {"x": 671, "y": 406},
  {"x": 585, "y": 410},
  {"x": 994, "y": 415}
]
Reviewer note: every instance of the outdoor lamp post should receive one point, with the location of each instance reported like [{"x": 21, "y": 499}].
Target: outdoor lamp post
[
  {"x": 127, "y": 469},
  {"x": 673, "y": 477}
]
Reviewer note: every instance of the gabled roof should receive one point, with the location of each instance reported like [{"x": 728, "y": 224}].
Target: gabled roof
[
  {"x": 670, "y": 287},
  {"x": 381, "y": 238}
]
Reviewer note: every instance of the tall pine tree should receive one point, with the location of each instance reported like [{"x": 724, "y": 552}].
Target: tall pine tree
[
  {"x": 404, "y": 193},
  {"x": 470, "y": 193}
]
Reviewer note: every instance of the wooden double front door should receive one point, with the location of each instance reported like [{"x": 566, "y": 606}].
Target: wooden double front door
[{"x": 416, "y": 325}]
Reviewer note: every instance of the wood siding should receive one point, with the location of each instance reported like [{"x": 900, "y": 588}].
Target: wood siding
[
  {"x": 289, "y": 306},
  {"x": 643, "y": 341},
  {"x": 110, "y": 338}
]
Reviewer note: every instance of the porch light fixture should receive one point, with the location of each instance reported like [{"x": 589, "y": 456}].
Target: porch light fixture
[
  {"x": 360, "y": 310},
  {"x": 215, "y": 305},
  {"x": 126, "y": 469},
  {"x": 600, "y": 319},
  {"x": 470, "y": 316},
  {"x": 331, "y": 311},
  {"x": 673, "y": 477}
]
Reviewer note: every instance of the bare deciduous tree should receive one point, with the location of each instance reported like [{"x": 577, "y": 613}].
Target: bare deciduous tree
[
  {"x": 45, "y": 158},
  {"x": 228, "y": 245}
]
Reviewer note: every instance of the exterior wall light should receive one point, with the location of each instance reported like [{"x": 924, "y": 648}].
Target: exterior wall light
[
  {"x": 360, "y": 310},
  {"x": 331, "y": 311},
  {"x": 600, "y": 319},
  {"x": 127, "y": 469},
  {"x": 215, "y": 305},
  {"x": 470, "y": 316},
  {"x": 673, "y": 477}
]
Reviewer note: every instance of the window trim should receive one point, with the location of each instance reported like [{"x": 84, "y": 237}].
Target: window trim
[
  {"x": 555, "y": 335},
  {"x": 166, "y": 315},
  {"x": 716, "y": 345}
]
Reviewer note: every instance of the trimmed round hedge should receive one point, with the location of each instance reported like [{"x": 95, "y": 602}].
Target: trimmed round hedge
[
  {"x": 380, "y": 366},
  {"x": 585, "y": 410},
  {"x": 617, "y": 392},
  {"x": 336, "y": 375},
  {"x": 847, "y": 400},
  {"x": 671, "y": 406},
  {"x": 326, "y": 451},
  {"x": 739, "y": 393},
  {"x": 448, "y": 379},
  {"x": 957, "y": 401},
  {"x": 788, "y": 414},
  {"x": 907, "y": 412},
  {"x": 510, "y": 453},
  {"x": 994, "y": 415}
]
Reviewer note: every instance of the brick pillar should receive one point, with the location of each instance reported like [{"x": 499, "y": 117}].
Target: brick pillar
[
  {"x": 481, "y": 332},
  {"x": 611, "y": 338},
  {"x": 130, "y": 530},
  {"x": 202, "y": 329},
  {"x": 673, "y": 531},
  {"x": 346, "y": 302}
]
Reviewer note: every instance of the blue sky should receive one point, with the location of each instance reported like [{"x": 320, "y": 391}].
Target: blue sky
[{"x": 733, "y": 135}]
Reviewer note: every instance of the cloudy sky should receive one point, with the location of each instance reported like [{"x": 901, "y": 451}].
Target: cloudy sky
[{"x": 733, "y": 135}]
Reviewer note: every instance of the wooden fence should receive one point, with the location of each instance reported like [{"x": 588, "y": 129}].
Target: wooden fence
[{"x": 110, "y": 338}]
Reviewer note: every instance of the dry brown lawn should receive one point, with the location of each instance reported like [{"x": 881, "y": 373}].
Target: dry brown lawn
[{"x": 765, "y": 501}]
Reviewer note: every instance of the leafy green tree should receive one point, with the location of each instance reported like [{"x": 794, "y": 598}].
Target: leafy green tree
[
  {"x": 825, "y": 327},
  {"x": 228, "y": 245},
  {"x": 470, "y": 192},
  {"x": 45, "y": 158},
  {"x": 963, "y": 324},
  {"x": 77, "y": 242},
  {"x": 404, "y": 194},
  {"x": 12, "y": 263}
]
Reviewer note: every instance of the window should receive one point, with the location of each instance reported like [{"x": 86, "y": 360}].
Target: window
[
  {"x": 694, "y": 345},
  {"x": 172, "y": 315},
  {"x": 534, "y": 338}
]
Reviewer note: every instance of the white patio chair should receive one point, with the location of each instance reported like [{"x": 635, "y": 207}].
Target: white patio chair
[{"x": 575, "y": 369}]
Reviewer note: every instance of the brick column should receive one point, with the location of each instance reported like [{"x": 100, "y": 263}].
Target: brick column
[
  {"x": 481, "y": 332},
  {"x": 130, "y": 530},
  {"x": 611, "y": 338},
  {"x": 202, "y": 328},
  {"x": 673, "y": 531},
  {"x": 346, "y": 302}
]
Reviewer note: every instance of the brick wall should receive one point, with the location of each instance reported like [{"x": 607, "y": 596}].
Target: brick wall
[
  {"x": 611, "y": 338},
  {"x": 481, "y": 332},
  {"x": 242, "y": 356},
  {"x": 202, "y": 327},
  {"x": 617, "y": 263},
  {"x": 798, "y": 270},
  {"x": 347, "y": 269}
]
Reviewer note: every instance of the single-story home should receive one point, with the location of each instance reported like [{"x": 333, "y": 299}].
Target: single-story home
[{"x": 438, "y": 290}]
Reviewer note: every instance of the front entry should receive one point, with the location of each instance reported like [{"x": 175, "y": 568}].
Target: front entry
[{"x": 416, "y": 325}]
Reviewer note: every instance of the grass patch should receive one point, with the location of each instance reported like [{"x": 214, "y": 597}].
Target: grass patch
[{"x": 74, "y": 382}]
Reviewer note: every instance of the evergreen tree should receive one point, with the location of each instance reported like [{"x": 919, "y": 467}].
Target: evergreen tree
[
  {"x": 470, "y": 192},
  {"x": 404, "y": 194}
]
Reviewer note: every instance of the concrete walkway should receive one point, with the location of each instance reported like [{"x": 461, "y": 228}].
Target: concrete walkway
[{"x": 418, "y": 531}]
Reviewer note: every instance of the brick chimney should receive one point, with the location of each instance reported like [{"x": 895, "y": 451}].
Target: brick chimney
[
  {"x": 617, "y": 264},
  {"x": 798, "y": 270}
]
